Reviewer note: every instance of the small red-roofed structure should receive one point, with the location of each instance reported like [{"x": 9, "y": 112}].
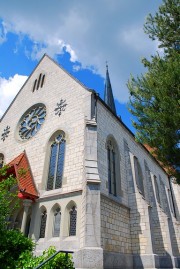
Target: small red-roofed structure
[{"x": 20, "y": 168}]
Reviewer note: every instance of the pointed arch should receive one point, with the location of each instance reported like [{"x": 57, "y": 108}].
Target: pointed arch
[
  {"x": 72, "y": 212},
  {"x": 43, "y": 222},
  {"x": 56, "y": 160},
  {"x": 113, "y": 164},
  {"x": 56, "y": 213}
]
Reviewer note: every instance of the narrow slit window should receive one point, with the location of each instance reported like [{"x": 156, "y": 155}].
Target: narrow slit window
[
  {"x": 42, "y": 81},
  {"x": 39, "y": 80},
  {"x": 34, "y": 86},
  {"x": 39, "y": 83}
]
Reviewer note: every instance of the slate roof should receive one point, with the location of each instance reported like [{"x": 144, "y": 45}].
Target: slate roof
[{"x": 108, "y": 93}]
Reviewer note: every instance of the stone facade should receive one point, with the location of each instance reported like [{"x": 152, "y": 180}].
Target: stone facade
[{"x": 129, "y": 221}]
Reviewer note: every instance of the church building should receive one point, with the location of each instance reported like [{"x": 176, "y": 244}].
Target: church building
[{"x": 85, "y": 185}]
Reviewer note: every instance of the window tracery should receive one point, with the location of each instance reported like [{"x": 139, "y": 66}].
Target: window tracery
[
  {"x": 56, "y": 164},
  {"x": 32, "y": 121}
]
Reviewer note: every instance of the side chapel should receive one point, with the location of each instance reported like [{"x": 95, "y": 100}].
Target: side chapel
[{"x": 87, "y": 185}]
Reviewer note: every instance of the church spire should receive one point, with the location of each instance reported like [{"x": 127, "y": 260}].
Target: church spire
[{"x": 108, "y": 94}]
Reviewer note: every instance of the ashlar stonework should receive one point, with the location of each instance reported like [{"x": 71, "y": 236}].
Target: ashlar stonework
[{"x": 98, "y": 193}]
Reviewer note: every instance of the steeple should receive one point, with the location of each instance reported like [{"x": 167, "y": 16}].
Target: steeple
[{"x": 108, "y": 94}]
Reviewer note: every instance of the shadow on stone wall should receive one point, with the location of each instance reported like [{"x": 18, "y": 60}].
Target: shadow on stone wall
[{"x": 157, "y": 256}]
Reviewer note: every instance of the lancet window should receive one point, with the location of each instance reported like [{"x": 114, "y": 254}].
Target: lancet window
[
  {"x": 112, "y": 166},
  {"x": 57, "y": 222},
  {"x": 73, "y": 220},
  {"x": 43, "y": 224},
  {"x": 56, "y": 164}
]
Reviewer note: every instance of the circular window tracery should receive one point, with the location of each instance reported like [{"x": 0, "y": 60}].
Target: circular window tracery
[{"x": 32, "y": 121}]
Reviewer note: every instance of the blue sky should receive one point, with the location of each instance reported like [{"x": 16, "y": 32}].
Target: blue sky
[{"x": 80, "y": 35}]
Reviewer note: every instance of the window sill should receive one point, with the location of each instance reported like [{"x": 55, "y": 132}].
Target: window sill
[
  {"x": 57, "y": 192},
  {"x": 71, "y": 238}
]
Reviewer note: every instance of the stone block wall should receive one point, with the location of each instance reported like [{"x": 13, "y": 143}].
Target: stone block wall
[
  {"x": 57, "y": 85},
  {"x": 115, "y": 226},
  {"x": 153, "y": 228}
]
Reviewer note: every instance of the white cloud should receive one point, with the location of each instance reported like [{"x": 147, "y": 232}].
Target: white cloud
[
  {"x": 91, "y": 31},
  {"x": 76, "y": 67},
  {"x": 8, "y": 89}
]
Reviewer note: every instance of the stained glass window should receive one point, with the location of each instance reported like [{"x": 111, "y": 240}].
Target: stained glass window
[
  {"x": 43, "y": 224},
  {"x": 73, "y": 219},
  {"x": 32, "y": 121},
  {"x": 57, "y": 222},
  {"x": 56, "y": 164},
  {"x": 1, "y": 160},
  {"x": 111, "y": 156}
]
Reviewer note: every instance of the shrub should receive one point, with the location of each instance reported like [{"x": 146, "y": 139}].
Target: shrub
[
  {"x": 28, "y": 261},
  {"x": 13, "y": 243}
]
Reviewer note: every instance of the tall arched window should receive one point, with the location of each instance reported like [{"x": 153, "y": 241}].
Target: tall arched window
[
  {"x": 114, "y": 183},
  {"x": 139, "y": 175},
  {"x": 57, "y": 222},
  {"x": 43, "y": 223},
  {"x": 73, "y": 220},
  {"x": 1, "y": 160},
  {"x": 56, "y": 164}
]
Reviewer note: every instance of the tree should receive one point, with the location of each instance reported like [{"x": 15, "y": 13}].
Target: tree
[
  {"x": 6, "y": 197},
  {"x": 164, "y": 26},
  {"x": 15, "y": 248},
  {"x": 13, "y": 242},
  {"x": 155, "y": 96}
]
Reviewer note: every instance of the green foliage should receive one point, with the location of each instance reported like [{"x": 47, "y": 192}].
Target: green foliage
[
  {"x": 28, "y": 261},
  {"x": 164, "y": 26},
  {"x": 15, "y": 248},
  {"x": 155, "y": 96},
  {"x": 13, "y": 244},
  {"x": 7, "y": 197}
]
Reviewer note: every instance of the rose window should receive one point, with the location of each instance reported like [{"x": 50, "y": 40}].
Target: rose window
[{"x": 32, "y": 121}]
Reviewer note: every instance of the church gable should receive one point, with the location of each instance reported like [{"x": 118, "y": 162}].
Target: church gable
[
  {"x": 42, "y": 81},
  {"x": 51, "y": 101}
]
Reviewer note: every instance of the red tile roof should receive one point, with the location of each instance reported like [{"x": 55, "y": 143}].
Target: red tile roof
[
  {"x": 21, "y": 169},
  {"x": 168, "y": 169}
]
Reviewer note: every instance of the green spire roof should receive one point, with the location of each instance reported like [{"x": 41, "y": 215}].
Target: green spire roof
[{"x": 108, "y": 94}]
